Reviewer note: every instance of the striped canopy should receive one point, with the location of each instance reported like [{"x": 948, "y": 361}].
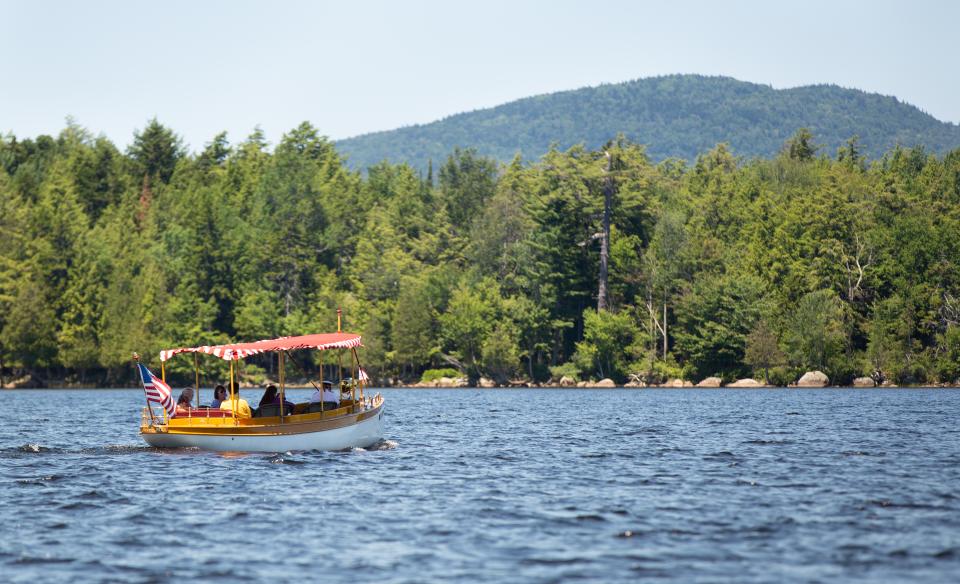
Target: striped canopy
[{"x": 236, "y": 351}]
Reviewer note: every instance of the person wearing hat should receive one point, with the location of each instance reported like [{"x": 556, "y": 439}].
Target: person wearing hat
[{"x": 329, "y": 397}]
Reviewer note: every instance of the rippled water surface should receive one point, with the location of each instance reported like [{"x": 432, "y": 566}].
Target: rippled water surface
[{"x": 499, "y": 485}]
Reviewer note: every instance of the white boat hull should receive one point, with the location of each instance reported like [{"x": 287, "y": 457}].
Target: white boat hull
[{"x": 362, "y": 434}]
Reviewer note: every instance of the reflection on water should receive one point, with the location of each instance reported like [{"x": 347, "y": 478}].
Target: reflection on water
[{"x": 501, "y": 485}]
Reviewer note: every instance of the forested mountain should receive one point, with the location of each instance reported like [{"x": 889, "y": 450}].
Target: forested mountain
[
  {"x": 678, "y": 116},
  {"x": 726, "y": 266}
]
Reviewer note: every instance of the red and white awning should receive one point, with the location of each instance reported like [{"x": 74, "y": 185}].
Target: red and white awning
[{"x": 231, "y": 352}]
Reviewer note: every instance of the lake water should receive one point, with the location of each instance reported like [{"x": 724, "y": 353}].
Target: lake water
[{"x": 499, "y": 485}]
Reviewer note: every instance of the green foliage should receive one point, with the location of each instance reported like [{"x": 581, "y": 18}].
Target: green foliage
[
  {"x": 469, "y": 318},
  {"x": 845, "y": 265},
  {"x": 801, "y": 147},
  {"x": 467, "y": 181},
  {"x": 606, "y": 338},
  {"x": 782, "y": 376},
  {"x": 762, "y": 350},
  {"x": 666, "y": 369},
  {"x": 435, "y": 374},
  {"x": 714, "y": 321},
  {"x": 814, "y": 336},
  {"x": 887, "y": 347},
  {"x": 948, "y": 362},
  {"x": 500, "y": 353},
  {"x": 566, "y": 370},
  {"x": 29, "y": 328},
  {"x": 155, "y": 151}
]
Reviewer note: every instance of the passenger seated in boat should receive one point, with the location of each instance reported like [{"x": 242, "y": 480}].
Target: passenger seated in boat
[
  {"x": 183, "y": 402},
  {"x": 237, "y": 404},
  {"x": 219, "y": 394},
  {"x": 329, "y": 397},
  {"x": 271, "y": 397}
]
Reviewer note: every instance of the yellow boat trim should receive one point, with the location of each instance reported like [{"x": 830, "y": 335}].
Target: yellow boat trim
[{"x": 293, "y": 424}]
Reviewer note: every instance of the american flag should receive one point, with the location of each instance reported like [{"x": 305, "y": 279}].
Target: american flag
[
  {"x": 362, "y": 375},
  {"x": 157, "y": 391}
]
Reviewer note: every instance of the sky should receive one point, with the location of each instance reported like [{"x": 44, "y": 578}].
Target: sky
[{"x": 202, "y": 67}]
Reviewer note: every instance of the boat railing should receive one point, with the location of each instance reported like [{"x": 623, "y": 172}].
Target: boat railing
[
  {"x": 205, "y": 413},
  {"x": 150, "y": 416}
]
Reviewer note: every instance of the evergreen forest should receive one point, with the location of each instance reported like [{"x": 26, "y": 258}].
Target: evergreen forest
[{"x": 587, "y": 262}]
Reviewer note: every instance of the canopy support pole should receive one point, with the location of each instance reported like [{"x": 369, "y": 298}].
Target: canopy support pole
[
  {"x": 353, "y": 380},
  {"x": 339, "y": 369},
  {"x": 282, "y": 383},
  {"x": 163, "y": 372},
  {"x": 196, "y": 370},
  {"x": 321, "y": 383},
  {"x": 234, "y": 402},
  {"x": 356, "y": 358}
]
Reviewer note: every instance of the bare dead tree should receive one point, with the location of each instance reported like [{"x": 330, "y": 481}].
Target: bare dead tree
[
  {"x": 856, "y": 263},
  {"x": 605, "y": 235},
  {"x": 950, "y": 311}
]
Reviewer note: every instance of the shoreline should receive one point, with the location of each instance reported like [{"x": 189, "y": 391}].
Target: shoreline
[{"x": 509, "y": 387}]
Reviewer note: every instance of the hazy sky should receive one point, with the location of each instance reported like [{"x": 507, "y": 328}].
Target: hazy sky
[{"x": 351, "y": 67}]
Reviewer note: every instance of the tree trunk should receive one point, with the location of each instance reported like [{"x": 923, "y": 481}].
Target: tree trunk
[
  {"x": 605, "y": 238},
  {"x": 664, "y": 327},
  {"x": 653, "y": 331}
]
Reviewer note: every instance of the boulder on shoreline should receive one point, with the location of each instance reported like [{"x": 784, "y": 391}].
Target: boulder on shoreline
[
  {"x": 445, "y": 382},
  {"x": 25, "y": 382},
  {"x": 710, "y": 382},
  {"x": 635, "y": 383},
  {"x": 813, "y": 379},
  {"x": 566, "y": 381},
  {"x": 748, "y": 382},
  {"x": 605, "y": 383},
  {"x": 486, "y": 383},
  {"x": 864, "y": 382}
]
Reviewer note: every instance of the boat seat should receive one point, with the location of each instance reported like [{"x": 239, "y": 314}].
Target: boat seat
[
  {"x": 327, "y": 406},
  {"x": 206, "y": 413},
  {"x": 267, "y": 411}
]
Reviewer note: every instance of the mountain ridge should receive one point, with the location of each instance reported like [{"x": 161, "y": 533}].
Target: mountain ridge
[{"x": 676, "y": 116}]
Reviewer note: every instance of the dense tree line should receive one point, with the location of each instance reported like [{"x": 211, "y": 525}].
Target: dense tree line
[
  {"x": 678, "y": 116},
  {"x": 726, "y": 266}
]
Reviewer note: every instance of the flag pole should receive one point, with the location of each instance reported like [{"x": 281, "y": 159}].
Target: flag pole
[{"x": 136, "y": 359}]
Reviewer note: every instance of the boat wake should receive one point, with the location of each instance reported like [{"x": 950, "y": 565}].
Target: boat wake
[
  {"x": 29, "y": 448},
  {"x": 381, "y": 445}
]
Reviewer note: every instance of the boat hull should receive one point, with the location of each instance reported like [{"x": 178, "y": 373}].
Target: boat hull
[{"x": 365, "y": 432}]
